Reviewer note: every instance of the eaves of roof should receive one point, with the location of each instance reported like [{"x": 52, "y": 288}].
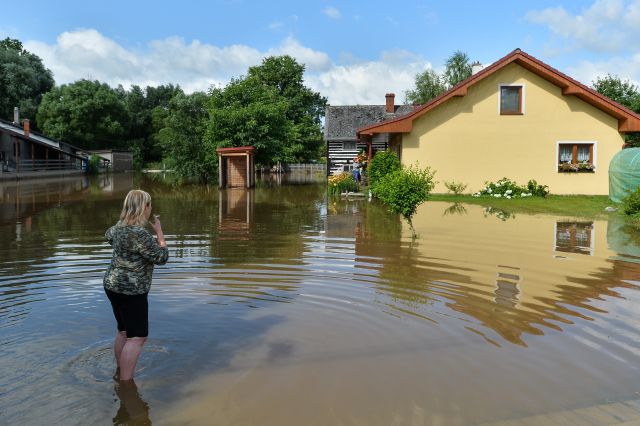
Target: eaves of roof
[{"x": 628, "y": 121}]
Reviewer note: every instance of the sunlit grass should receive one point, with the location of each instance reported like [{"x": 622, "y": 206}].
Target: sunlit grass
[{"x": 570, "y": 205}]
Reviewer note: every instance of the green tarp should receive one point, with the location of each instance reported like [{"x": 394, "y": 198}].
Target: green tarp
[{"x": 624, "y": 173}]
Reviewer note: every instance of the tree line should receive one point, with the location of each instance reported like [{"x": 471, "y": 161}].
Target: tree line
[{"x": 269, "y": 108}]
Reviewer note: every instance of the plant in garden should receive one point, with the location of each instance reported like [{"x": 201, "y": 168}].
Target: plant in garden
[
  {"x": 631, "y": 203},
  {"x": 537, "y": 190},
  {"x": 506, "y": 188},
  {"x": 403, "y": 190},
  {"x": 455, "y": 187},
  {"x": 383, "y": 163},
  {"x": 93, "y": 165},
  {"x": 342, "y": 182}
]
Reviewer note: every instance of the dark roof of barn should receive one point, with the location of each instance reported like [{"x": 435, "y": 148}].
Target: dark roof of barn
[{"x": 342, "y": 122}]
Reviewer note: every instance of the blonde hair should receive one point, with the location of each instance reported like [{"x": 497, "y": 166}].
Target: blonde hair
[{"x": 133, "y": 208}]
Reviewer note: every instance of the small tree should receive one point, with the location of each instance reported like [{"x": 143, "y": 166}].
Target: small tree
[
  {"x": 403, "y": 190},
  {"x": 383, "y": 163},
  {"x": 429, "y": 84}
]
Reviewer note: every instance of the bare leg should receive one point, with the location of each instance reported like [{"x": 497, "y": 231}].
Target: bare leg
[
  {"x": 129, "y": 357},
  {"x": 121, "y": 339}
]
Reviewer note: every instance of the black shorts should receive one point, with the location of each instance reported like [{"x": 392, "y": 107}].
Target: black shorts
[{"x": 131, "y": 312}]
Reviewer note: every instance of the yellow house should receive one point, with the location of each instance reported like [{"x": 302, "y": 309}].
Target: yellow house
[{"x": 517, "y": 118}]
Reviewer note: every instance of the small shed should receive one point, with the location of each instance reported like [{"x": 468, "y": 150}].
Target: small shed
[
  {"x": 624, "y": 173},
  {"x": 118, "y": 160},
  {"x": 235, "y": 167}
]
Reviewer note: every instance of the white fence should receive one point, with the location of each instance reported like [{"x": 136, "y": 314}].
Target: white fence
[{"x": 317, "y": 167}]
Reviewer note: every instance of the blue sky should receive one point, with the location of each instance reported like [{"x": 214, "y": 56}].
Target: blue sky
[{"x": 355, "y": 52}]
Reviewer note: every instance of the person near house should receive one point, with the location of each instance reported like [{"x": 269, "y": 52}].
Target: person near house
[
  {"x": 128, "y": 277},
  {"x": 356, "y": 171}
]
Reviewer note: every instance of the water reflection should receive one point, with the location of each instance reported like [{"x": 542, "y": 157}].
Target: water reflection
[
  {"x": 574, "y": 237},
  {"x": 133, "y": 410},
  {"x": 280, "y": 287}
]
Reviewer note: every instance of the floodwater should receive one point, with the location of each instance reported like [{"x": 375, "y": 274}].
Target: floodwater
[{"x": 280, "y": 307}]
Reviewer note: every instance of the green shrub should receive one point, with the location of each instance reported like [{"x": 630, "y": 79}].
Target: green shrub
[
  {"x": 455, "y": 187},
  {"x": 93, "y": 165},
  {"x": 631, "y": 203},
  {"x": 507, "y": 188},
  {"x": 383, "y": 163},
  {"x": 537, "y": 190},
  {"x": 404, "y": 190},
  {"x": 340, "y": 183}
]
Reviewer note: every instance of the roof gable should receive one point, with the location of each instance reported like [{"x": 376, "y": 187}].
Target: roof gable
[
  {"x": 342, "y": 122},
  {"x": 628, "y": 121}
]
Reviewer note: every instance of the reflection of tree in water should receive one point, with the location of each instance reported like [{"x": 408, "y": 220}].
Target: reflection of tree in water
[
  {"x": 499, "y": 213},
  {"x": 455, "y": 209}
]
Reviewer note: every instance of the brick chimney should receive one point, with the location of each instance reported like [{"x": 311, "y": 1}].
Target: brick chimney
[
  {"x": 25, "y": 127},
  {"x": 391, "y": 102},
  {"x": 16, "y": 116}
]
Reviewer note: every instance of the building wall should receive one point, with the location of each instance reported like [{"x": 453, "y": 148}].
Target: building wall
[
  {"x": 237, "y": 171},
  {"x": 467, "y": 140}
]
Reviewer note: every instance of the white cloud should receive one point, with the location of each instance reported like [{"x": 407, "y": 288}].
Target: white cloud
[
  {"x": 86, "y": 53},
  {"x": 275, "y": 25},
  {"x": 367, "y": 82},
  {"x": 332, "y": 12},
  {"x": 313, "y": 59},
  {"x": 625, "y": 68},
  {"x": 606, "y": 26}
]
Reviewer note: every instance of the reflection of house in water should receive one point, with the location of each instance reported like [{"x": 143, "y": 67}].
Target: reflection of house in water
[
  {"x": 507, "y": 291},
  {"x": 574, "y": 237},
  {"x": 505, "y": 276},
  {"x": 24, "y": 198},
  {"x": 235, "y": 213}
]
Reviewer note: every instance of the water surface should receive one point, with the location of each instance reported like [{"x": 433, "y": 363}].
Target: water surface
[{"x": 281, "y": 307}]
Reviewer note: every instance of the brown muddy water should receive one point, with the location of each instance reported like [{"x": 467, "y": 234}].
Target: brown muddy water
[{"x": 279, "y": 307}]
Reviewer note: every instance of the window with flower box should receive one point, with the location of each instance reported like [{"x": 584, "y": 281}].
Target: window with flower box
[{"x": 576, "y": 157}]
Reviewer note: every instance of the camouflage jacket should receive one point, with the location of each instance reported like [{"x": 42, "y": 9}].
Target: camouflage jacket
[{"x": 135, "y": 251}]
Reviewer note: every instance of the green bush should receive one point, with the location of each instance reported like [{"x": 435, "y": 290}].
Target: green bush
[
  {"x": 404, "y": 190},
  {"x": 455, "y": 187},
  {"x": 93, "y": 165},
  {"x": 537, "y": 190},
  {"x": 631, "y": 203},
  {"x": 383, "y": 163},
  {"x": 506, "y": 188}
]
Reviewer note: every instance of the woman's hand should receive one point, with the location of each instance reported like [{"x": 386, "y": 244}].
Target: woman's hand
[{"x": 157, "y": 227}]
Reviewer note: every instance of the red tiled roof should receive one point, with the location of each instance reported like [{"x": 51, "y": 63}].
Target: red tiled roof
[{"x": 628, "y": 121}]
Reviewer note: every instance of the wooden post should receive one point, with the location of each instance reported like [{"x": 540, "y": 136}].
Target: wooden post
[
  {"x": 247, "y": 183},
  {"x": 369, "y": 149},
  {"x": 220, "y": 183}
]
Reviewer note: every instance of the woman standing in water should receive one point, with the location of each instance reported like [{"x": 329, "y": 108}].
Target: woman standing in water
[{"x": 128, "y": 278}]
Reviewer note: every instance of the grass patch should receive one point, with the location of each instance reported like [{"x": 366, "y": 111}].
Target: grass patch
[{"x": 567, "y": 205}]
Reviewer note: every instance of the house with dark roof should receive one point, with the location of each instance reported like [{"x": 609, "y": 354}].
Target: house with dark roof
[
  {"x": 341, "y": 124},
  {"x": 24, "y": 152},
  {"x": 517, "y": 118}
]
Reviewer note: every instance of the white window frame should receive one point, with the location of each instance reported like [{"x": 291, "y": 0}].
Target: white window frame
[
  {"x": 595, "y": 151},
  {"x": 523, "y": 91},
  {"x": 344, "y": 145}
]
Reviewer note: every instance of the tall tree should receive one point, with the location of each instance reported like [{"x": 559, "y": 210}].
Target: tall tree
[
  {"x": 23, "y": 80},
  {"x": 183, "y": 137},
  {"x": 248, "y": 112},
  {"x": 457, "y": 68},
  {"x": 87, "y": 113},
  {"x": 142, "y": 105},
  {"x": 429, "y": 84},
  {"x": 305, "y": 108},
  {"x": 622, "y": 91}
]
